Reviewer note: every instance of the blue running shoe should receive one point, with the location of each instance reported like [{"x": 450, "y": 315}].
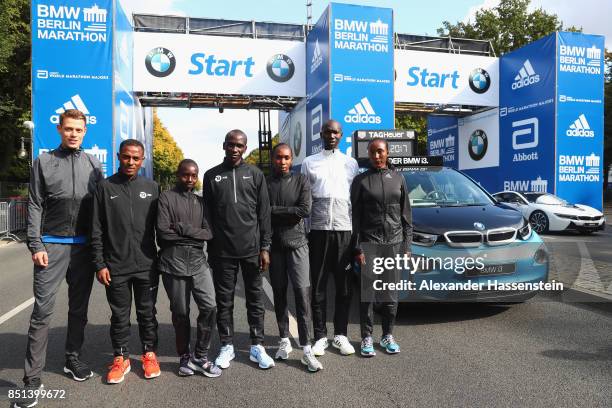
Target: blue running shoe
[
  {"x": 258, "y": 355},
  {"x": 203, "y": 366},
  {"x": 184, "y": 369},
  {"x": 225, "y": 356},
  {"x": 389, "y": 344},
  {"x": 367, "y": 347}
]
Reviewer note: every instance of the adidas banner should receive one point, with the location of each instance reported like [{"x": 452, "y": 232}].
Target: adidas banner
[
  {"x": 442, "y": 78},
  {"x": 580, "y": 110},
  {"x": 72, "y": 69},
  {"x": 361, "y": 77},
  {"x": 526, "y": 118},
  {"x": 214, "y": 64}
]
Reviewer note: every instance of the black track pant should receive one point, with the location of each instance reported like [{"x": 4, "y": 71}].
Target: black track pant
[
  {"x": 285, "y": 265},
  {"x": 180, "y": 289},
  {"x": 225, "y": 274},
  {"x": 330, "y": 255},
  {"x": 119, "y": 295}
]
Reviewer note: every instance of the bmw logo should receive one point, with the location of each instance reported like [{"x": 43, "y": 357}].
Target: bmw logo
[
  {"x": 280, "y": 68},
  {"x": 297, "y": 139},
  {"x": 477, "y": 146},
  {"x": 480, "y": 80},
  {"x": 160, "y": 62},
  {"x": 479, "y": 226}
]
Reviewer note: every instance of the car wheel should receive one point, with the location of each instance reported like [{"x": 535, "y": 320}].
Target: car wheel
[{"x": 539, "y": 222}]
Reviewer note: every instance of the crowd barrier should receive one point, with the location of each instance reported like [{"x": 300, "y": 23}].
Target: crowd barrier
[{"x": 13, "y": 218}]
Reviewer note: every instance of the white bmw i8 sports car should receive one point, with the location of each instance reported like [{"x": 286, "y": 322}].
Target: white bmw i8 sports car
[{"x": 547, "y": 212}]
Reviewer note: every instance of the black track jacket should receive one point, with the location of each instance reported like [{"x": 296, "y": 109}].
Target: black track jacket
[
  {"x": 381, "y": 209},
  {"x": 123, "y": 225},
  {"x": 237, "y": 199}
]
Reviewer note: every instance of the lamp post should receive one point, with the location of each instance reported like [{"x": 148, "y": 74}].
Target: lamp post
[{"x": 23, "y": 153}]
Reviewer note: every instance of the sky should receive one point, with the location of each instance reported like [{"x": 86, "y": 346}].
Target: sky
[{"x": 199, "y": 132}]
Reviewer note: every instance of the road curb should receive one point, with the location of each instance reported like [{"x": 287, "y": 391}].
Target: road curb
[{"x": 586, "y": 297}]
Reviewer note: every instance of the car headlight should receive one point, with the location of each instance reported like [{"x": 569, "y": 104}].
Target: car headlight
[
  {"x": 524, "y": 232},
  {"x": 423, "y": 239},
  {"x": 541, "y": 255},
  {"x": 567, "y": 217}
]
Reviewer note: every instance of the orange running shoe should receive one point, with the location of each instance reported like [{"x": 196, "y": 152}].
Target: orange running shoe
[
  {"x": 150, "y": 365},
  {"x": 118, "y": 370}
]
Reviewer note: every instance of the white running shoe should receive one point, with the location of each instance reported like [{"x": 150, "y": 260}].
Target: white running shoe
[
  {"x": 284, "y": 348},
  {"x": 342, "y": 343},
  {"x": 225, "y": 356},
  {"x": 318, "y": 349},
  {"x": 310, "y": 361}
]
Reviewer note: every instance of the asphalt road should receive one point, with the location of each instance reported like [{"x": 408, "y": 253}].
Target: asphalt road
[{"x": 540, "y": 353}]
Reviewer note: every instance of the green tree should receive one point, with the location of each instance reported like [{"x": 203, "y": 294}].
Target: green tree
[
  {"x": 253, "y": 156},
  {"x": 508, "y": 26},
  {"x": 166, "y": 154},
  {"x": 15, "y": 86},
  {"x": 418, "y": 123}
]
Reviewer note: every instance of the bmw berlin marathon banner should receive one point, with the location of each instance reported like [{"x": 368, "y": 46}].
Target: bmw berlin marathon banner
[
  {"x": 441, "y": 78},
  {"x": 213, "y": 64},
  {"x": 361, "y": 48},
  {"x": 442, "y": 136},
  {"x": 72, "y": 69},
  {"x": 527, "y": 118},
  {"x": 580, "y": 93}
]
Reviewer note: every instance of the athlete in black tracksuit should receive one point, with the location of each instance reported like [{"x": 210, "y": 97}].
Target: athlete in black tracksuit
[
  {"x": 382, "y": 227},
  {"x": 123, "y": 240},
  {"x": 237, "y": 198}
]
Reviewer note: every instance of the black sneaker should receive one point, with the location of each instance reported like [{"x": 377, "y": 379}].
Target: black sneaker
[
  {"x": 30, "y": 392},
  {"x": 77, "y": 369}
]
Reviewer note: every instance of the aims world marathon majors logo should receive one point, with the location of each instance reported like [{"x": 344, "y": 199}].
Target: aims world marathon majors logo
[{"x": 160, "y": 62}]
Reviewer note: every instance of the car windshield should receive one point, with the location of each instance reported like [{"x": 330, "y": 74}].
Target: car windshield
[
  {"x": 442, "y": 187},
  {"x": 550, "y": 199}
]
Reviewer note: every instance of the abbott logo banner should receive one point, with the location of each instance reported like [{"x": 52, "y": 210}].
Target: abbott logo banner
[
  {"x": 430, "y": 77},
  {"x": 204, "y": 64}
]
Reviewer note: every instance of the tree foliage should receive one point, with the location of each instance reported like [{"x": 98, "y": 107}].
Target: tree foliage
[
  {"x": 418, "y": 123},
  {"x": 166, "y": 154},
  {"x": 508, "y": 26},
  {"x": 253, "y": 156},
  {"x": 15, "y": 87}
]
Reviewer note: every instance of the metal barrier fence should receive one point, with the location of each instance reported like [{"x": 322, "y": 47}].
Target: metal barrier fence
[{"x": 13, "y": 218}]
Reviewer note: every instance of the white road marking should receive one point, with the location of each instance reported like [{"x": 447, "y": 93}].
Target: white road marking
[
  {"x": 16, "y": 310},
  {"x": 292, "y": 322}
]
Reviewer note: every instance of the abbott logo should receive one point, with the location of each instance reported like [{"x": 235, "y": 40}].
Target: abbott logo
[
  {"x": 526, "y": 127},
  {"x": 74, "y": 103},
  {"x": 580, "y": 128},
  {"x": 362, "y": 112},
  {"x": 317, "y": 57},
  {"x": 316, "y": 121},
  {"x": 526, "y": 76}
]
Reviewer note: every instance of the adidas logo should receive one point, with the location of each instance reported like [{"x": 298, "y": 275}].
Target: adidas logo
[
  {"x": 526, "y": 76},
  {"x": 74, "y": 103},
  {"x": 317, "y": 58},
  {"x": 362, "y": 113},
  {"x": 580, "y": 128}
]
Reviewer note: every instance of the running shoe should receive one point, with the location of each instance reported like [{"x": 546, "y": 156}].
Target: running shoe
[
  {"x": 225, "y": 356},
  {"x": 284, "y": 348},
  {"x": 118, "y": 370},
  {"x": 30, "y": 394},
  {"x": 258, "y": 355},
  {"x": 310, "y": 361},
  {"x": 77, "y": 369},
  {"x": 343, "y": 344},
  {"x": 388, "y": 343},
  {"x": 203, "y": 366},
  {"x": 184, "y": 369},
  {"x": 367, "y": 347},
  {"x": 150, "y": 366},
  {"x": 318, "y": 349}
]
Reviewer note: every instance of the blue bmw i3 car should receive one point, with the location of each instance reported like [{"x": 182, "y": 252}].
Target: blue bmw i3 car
[{"x": 455, "y": 220}]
